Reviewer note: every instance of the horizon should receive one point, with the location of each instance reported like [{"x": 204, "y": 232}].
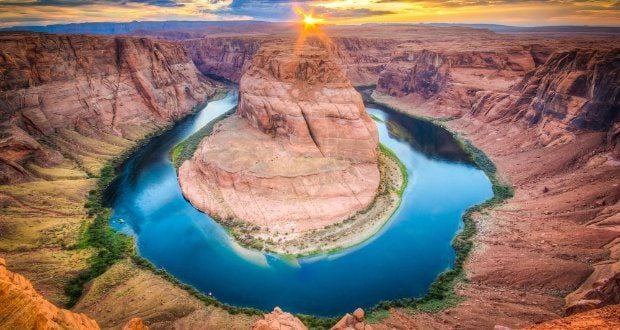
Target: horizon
[{"x": 595, "y": 13}]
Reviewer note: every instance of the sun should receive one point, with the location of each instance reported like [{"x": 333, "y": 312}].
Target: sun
[
  {"x": 311, "y": 21},
  {"x": 308, "y": 19}
]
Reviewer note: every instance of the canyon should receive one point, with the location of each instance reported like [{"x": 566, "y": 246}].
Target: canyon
[
  {"x": 299, "y": 155},
  {"x": 543, "y": 106}
]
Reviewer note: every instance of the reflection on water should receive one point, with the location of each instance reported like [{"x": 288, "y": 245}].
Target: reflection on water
[{"x": 400, "y": 261}]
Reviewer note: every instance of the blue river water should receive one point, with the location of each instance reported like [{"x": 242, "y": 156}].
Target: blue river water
[{"x": 402, "y": 260}]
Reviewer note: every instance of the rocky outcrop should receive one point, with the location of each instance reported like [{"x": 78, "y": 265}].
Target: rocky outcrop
[
  {"x": 572, "y": 92},
  {"x": 362, "y": 59},
  {"x": 352, "y": 322},
  {"x": 118, "y": 85},
  {"x": 223, "y": 56},
  {"x": 135, "y": 324},
  {"x": 602, "y": 318},
  {"x": 279, "y": 320},
  {"x": 301, "y": 152},
  {"x": 428, "y": 72},
  {"x": 22, "y": 307}
]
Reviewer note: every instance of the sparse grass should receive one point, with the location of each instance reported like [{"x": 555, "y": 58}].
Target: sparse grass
[
  {"x": 442, "y": 293},
  {"x": 186, "y": 148},
  {"x": 377, "y": 316},
  {"x": 376, "y": 118},
  {"x": 403, "y": 169}
]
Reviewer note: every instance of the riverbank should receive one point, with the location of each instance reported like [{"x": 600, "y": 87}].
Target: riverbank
[
  {"x": 528, "y": 253},
  {"x": 350, "y": 232}
]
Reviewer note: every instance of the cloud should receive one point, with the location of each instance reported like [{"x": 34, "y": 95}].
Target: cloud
[{"x": 526, "y": 12}]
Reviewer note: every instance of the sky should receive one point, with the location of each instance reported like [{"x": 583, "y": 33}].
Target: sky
[{"x": 508, "y": 12}]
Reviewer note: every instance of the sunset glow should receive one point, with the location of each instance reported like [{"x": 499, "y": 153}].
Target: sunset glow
[
  {"x": 525, "y": 13},
  {"x": 311, "y": 21}
]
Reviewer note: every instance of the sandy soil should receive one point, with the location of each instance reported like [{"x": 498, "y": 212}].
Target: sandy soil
[{"x": 542, "y": 244}]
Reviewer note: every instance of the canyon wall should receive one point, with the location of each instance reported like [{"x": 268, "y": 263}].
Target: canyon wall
[
  {"x": 571, "y": 92},
  {"x": 301, "y": 152},
  {"x": 119, "y": 86},
  {"x": 22, "y": 307},
  {"x": 362, "y": 59}
]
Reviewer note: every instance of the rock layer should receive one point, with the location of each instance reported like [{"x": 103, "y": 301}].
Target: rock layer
[
  {"x": 279, "y": 320},
  {"x": 22, "y": 307},
  {"x": 122, "y": 86},
  {"x": 572, "y": 92},
  {"x": 301, "y": 152}
]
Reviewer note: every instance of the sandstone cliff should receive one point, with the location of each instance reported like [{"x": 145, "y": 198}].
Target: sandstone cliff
[
  {"x": 571, "y": 92},
  {"x": 21, "y": 307},
  {"x": 301, "y": 152},
  {"x": 362, "y": 59},
  {"x": 120, "y": 86},
  {"x": 450, "y": 78}
]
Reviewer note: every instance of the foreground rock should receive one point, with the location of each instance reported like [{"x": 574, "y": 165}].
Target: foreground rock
[
  {"x": 22, "y": 307},
  {"x": 100, "y": 87},
  {"x": 279, "y": 320},
  {"x": 300, "y": 153},
  {"x": 353, "y": 322},
  {"x": 602, "y": 318}
]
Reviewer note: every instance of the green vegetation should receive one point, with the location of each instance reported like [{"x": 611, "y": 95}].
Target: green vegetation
[
  {"x": 403, "y": 170},
  {"x": 112, "y": 246},
  {"x": 186, "y": 148},
  {"x": 441, "y": 294},
  {"x": 377, "y": 118}
]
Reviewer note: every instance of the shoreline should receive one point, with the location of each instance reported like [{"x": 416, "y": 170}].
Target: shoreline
[
  {"x": 378, "y": 311},
  {"x": 442, "y": 294}
]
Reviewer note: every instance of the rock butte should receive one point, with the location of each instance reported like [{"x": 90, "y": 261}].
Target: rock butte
[{"x": 300, "y": 153}]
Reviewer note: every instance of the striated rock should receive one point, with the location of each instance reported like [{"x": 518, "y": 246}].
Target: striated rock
[
  {"x": 22, "y": 307},
  {"x": 223, "y": 56},
  {"x": 353, "y": 322},
  {"x": 135, "y": 324},
  {"x": 118, "y": 85},
  {"x": 279, "y": 320},
  {"x": 573, "y": 91},
  {"x": 301, "y": 152},
  {"x": 422, "y": 72},
  {"x": 362, "y": 59},
  {"x": 602, "y": 318},
  {"x": 427, "y": 72}
]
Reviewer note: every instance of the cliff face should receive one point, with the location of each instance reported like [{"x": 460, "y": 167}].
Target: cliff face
[
  {"x": 22, "y": 307},
  {"x": 122, "y": 86},
  {"x": 450, "y": 78},
  {"x": 573, "y": 91},
  {"x": 301, "y": 153},
  {"x": 362, "y": 59},
  {"x": 224, "y": 56}
]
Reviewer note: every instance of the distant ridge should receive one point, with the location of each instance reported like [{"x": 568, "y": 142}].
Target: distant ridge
[
  {"x": 107, "y": 28},
  {"x": 554, "y": 29}
]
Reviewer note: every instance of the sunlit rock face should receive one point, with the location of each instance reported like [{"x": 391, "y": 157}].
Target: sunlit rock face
[
  {"x": 300, "y": 153},
  {"x": 94, "y": 85},
  {"x": 22, "y": 307},
  {"x": 572, "y": 92}
]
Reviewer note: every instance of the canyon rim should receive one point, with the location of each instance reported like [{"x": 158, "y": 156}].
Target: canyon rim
[{"x": 298, "y": 169}]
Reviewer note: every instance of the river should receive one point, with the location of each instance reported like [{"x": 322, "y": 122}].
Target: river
[{"x": 402, "y": 260}]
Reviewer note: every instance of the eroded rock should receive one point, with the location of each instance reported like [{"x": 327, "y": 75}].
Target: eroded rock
[{"x": 301, "y": 152}]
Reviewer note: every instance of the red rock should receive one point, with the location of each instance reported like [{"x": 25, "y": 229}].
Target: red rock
[
  {"x": 279, "y": 320},
  {"x": 22, "y": 307},
  {"x": 116, "y": 85},
  {"x": 300, "y": 153},
  {"x": 135, "y": 324}
]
